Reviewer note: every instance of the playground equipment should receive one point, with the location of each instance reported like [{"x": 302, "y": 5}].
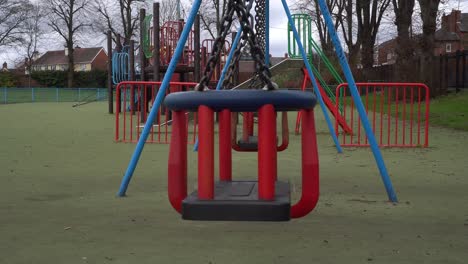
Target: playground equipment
[
  {"x": 156, "y": 48},
  {"x": 268, "y": 102},
  {"x": 120, "y": 66},
  {"x": 303, "y": 23}
]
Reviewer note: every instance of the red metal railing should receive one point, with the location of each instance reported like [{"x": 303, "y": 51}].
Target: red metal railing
[
  {"x": 132, "y": 98},
  {"x": 169, "y": 36},
  {"x": 398, "y": 114}
]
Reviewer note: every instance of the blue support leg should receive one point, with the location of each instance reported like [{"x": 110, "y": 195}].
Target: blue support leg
[
  {"x": 357, "y": 101},
  {"x": 159, "y": 98},
  {"x": 312, "y": 77}
]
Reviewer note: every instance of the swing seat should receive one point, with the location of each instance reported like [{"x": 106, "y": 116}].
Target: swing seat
[{"x": 267, "y": 199}]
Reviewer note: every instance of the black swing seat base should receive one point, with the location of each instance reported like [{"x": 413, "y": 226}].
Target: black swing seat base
[
  {"x": 238, "y": 201},
  {"x": 250, "y": 144}
]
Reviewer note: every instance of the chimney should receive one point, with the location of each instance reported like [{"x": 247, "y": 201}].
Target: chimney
[
  {"x": 66, "y": 51},
  {"x": 453, "y": 18},
  {"x": 35, "y": 56},
  {"x": 445, "y": 22}
]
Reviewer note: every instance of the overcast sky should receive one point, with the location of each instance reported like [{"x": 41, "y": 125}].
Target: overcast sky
[{"x": 278, "y": 31}]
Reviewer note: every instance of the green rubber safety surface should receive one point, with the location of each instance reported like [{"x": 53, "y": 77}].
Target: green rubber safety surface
[{"x": 61, "y": 170}]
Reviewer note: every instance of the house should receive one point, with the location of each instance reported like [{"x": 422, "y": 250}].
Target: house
[
  {"x": 453, "y": 35},
  {"x": 86, "y": 59},
  {"x": 385, "y": 53}
]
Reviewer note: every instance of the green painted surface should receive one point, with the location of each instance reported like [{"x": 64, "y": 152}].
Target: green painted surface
[{"x": 60, "y": 172}]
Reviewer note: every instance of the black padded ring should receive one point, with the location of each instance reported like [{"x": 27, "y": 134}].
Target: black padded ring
[{"x": 241, "y": 100}]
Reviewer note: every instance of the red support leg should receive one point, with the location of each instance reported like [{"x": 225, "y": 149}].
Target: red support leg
[
  {"x": 267, "y": 159},
  {"x": 310, "y": 167},
  {"x": 225, "y": 154},
  {"x": 205, "y": 153},
  {"x": 177, "y": 170}
]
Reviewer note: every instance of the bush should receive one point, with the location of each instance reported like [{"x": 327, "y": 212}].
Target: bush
[
  {"x": 7, "y": 79},
  {"x": 91, "y": 79}
]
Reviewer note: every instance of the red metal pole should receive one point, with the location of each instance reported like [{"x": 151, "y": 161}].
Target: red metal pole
[
  {"x": 139, "y": 115},
  {"x": 426, "y": 137},
  {"x": 133, "y": 112},
  {"x": 396, "y": 115},
  {"x": 382, "y": 95},
  {"x": 419, "y": 115},
  {"x": 124, "y": 111},
  {"x": 310, "y": 167},
  {"x": 411, "y": 115},
  {"x": 225, "y": 152},
  {"x": 117, "y": 94},
  {"x": 177, "y": 168},
  {"x": 404, "y": 114},
  {"x": 205, "y": 153},
  {"x": 267, "y": 159}
]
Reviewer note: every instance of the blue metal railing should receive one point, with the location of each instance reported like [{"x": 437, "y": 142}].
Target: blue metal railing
[{"x": 14, "y": 95}]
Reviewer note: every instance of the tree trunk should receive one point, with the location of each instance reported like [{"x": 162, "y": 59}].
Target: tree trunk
[
  {"x": 429, "y": 18},
  {"x": 367, "y": 52},
  {"x": 71, "y": 66},
  {"x": 404, "y": 70}
]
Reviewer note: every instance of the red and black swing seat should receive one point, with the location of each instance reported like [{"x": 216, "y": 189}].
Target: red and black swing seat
[{"x": 264, "y": 200}]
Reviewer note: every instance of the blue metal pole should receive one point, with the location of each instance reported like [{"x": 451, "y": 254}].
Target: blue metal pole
[
  {"x": 312, "y": 77},
  {"x": 267, "y": 32},
  {"x": 5, "y": 94},
  {"x": 159, "y": 98},
  {"x": 32, "y": 95},
  {"x": 358, "y": 103},
  {"x": 56, "y": 95}
]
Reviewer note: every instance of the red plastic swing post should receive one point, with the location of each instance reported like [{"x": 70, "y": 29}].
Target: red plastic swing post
[
  {"x": 225, "y": 154},
  {"x": 205, "y": 153},
  {"x": 177, "y": 170},
  {"x": 267, "y": 159},
  {"x": 310, "y": 167}
]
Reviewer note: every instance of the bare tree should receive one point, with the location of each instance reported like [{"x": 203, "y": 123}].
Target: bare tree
[
  {"x": 312, "y": 8},
  {"x": 429, "y": 10},
  {"x": 403, "y": 12},
  {"x": 211, "y": 14},
  {"x": 12, "y": 15},
  {"x": 119, "y": 16},
  {"x": 34, "y": 25},
  {"x": 369, "y": 16},
  {"x": 349, "y": 27},
  {"x": 66, "y": 19},
  {"x": 169, "y": 11}
]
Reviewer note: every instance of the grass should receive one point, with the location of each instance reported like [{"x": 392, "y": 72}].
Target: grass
[{"x": 449, "y": 111}]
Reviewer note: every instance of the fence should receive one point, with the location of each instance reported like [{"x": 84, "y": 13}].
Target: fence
[
  {"x": 133, "y": 103},
  {"x": 397, "y": 112},
  {"x": 29, "y": 95},
  {"x": 446, "y": 71}
]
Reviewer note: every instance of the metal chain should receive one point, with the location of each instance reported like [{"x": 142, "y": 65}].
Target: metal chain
[
  {"x": 226, "y": 23},
  {"x": 242, "y": 9},
  {"x": 260, "y": 23}
]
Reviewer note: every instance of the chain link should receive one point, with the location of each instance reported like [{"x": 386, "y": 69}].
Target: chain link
[{"x": 242, "y": 10}]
